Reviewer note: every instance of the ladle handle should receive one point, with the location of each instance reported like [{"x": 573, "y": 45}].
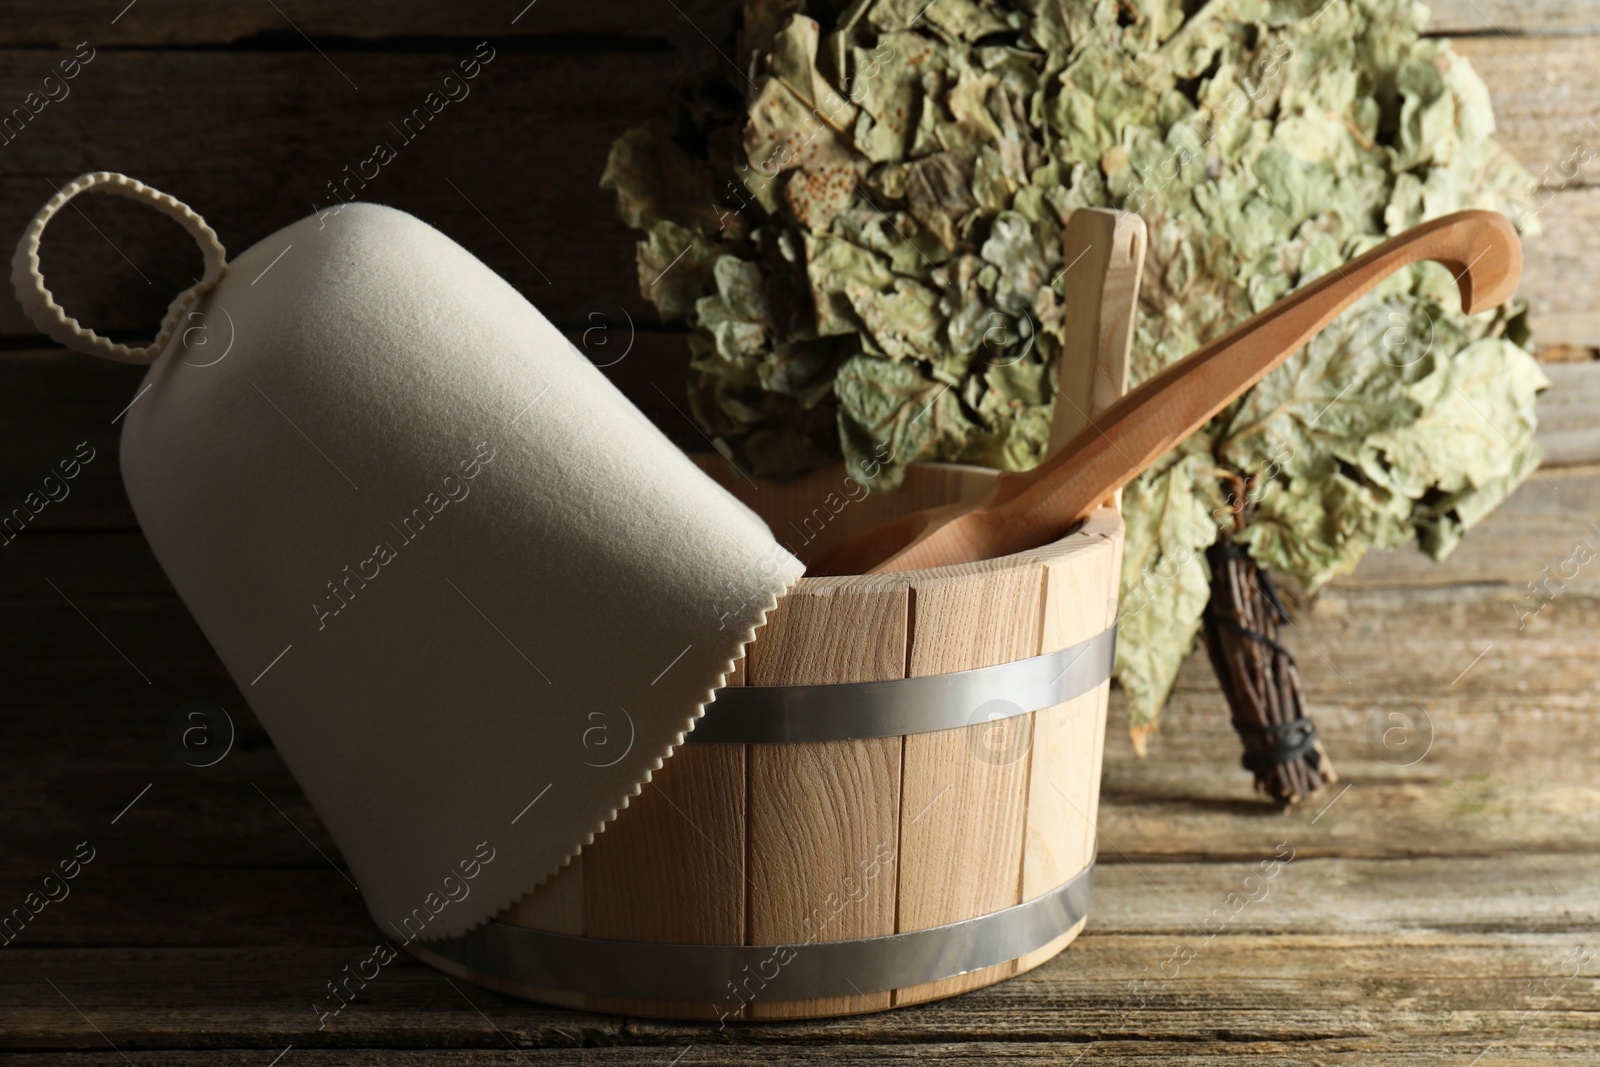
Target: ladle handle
[{"x": 1038, "y": 506}]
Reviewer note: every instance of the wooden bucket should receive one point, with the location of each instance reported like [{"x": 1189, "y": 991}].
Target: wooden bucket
[{"x": 783, "y": 878}]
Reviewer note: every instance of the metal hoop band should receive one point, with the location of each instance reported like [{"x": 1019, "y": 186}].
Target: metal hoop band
[
  {"x": 733, "y": 974},
  {"x": 846, "y": 711}
]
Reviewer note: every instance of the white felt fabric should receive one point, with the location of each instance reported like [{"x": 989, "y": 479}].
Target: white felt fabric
[{"x": 475, "y": 597}]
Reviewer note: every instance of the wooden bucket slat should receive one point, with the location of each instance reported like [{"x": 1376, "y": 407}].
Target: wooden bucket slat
[
  {"x": 671, "y": 868},
  {"x": 824, "y": 817},
  {"x": 1064, "y": 775},
  {"x": 963, "y": 809}
]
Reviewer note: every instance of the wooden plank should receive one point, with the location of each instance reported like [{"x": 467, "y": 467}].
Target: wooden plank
[
  {"x": 195, "y": 22},
  {"x": 1543, "y": 90},
  {"x": 1068, "y": 739},
  {"x": 1559, "y": 505},
  {"x": 554, "y": 220},
  {"x": 56, "y": 408},
  {"x": 1116, "y": 987},
  {"x": 1108, "y": 995},
  {"x": 245, "y": 996},
  {"x": 1402, "y": 1052},
  {"x": 824, "y": 817},
  {"x": 1427, "y": 946},
  {"x": 1166, "y": 975},
  {"x": 1454, "y": 895},
  {"x": 1104, "y": 251},
  {"x": 267, "y": 908},
  {"x": 1502, "y": 19},
  {"x": 1442, "y": 644},
  {"x": 1455, "y": 942},
  {"x": 1569, "y": 415},
  {"x": 263, "y": 134},
  {"x": 248, "y": 907},
  {"x": 1525, "y": 757},
  {"x": 1064, "y": 780},
  {"x": 58, "y": 400},
  {"x": 1357, "y": 646},
  {"x": 1464, "y": 729},
  {"x": 964, "y": 792},
  {"x": 1561, "y": 289},
  {"x": 1081, "y": 586},
  {"x": 1539, "y": 527},
  {"x": 1512, "y": 1045},
  {"x": 1172, "y": 812},
  {"x": 672, "y": 867}
]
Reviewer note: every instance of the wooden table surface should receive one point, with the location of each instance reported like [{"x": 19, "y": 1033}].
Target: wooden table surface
[{"x": 1440, "y": 906}]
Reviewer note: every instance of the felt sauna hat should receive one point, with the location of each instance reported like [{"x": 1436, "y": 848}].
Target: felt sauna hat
[{"x": 474, "y": 596}]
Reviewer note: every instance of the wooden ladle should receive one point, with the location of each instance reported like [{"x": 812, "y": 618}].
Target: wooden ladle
[{"x": 1035, "y": 507}]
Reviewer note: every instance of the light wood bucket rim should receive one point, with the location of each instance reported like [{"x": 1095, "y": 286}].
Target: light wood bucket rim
[{"x": 1105, "y": 522}]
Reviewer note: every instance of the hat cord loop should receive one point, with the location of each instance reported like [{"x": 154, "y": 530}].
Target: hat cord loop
[{"x": 54, "y": 321}]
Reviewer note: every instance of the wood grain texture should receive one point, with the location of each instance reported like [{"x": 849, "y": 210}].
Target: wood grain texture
[
  {"x": 1080, "y": 601},
  {"x": 824, "y": 817},
  {"x": 1543, "y": 91},
  {"x": 805, "y": 636},
  {"x": 195, "y": 22},
  {"x": 1104, "y": 252},
  {"x": 964, "y": 792},
  {"x": 819, "y": 825},
  {"x": 1504, "y": 19},
  {"x": 1543, "y": 523},
  {"x": 54, "y": 401},
  {"x": 1568, "y": 431},
  {"x": 1065, "y": 757},
  {"x": 511, "y": 170},
  {"x": 1446, "y": 951},
  {"x": 672, "y": 867},
  {"x": 1523, "y": 704},
  {"x": 1403, "y": 1051}
]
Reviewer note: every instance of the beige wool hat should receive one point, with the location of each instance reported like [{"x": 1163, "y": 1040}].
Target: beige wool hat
[{"x": 473, "y": 595}]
